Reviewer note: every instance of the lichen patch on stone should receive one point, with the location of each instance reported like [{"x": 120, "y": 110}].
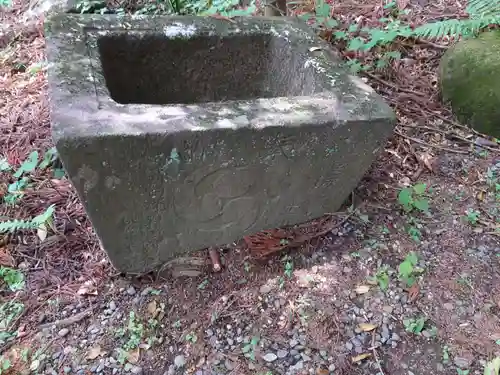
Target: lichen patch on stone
[{"x": 179, "y": 30}]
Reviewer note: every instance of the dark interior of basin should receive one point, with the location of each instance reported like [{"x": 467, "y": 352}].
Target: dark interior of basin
[{"x": 154, "y": 69}]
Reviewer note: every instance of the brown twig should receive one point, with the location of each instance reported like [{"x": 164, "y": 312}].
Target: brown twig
[
  {"x": 214, "y": 257},
  {"x": 419, "y": 141},
  {"x": 450, "y": 134},
  {"x": 454, "y": 123},
  {"x": 435, "y": 45},
  {"x": 68, "y": 321},
  {"x": 392, "y": 86},
  {"x": 375, "y": 355},
  {"x": 453, "y": 135}
]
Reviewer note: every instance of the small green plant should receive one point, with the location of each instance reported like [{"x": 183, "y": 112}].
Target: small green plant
[
  {"x": 249, "y": 349},
  {"x": 462, "y": 372},
  {"x": 414, "y": 325},
  {"x": 465, "y": 279},
  {"x": 5, "y": 365},
  {"x": 22, "y": 177},
  {"x": 381, "y": 278},
  {"x": 492, "y": 180},
  {"x": 472, "y": 216},
  {"x": 191, "y": 337},
  {"x": 412, "y": 198},
  {"x": 41, "y": 221},
  {"x": 9, "y": 312},
  {"x": 408, "y": 269},
  {"x": 13, "y": 278},
  {"x": 25, "y": 354},
  {"x": 415, "y": 233},
  {"x": 203, "y": 284},
  {"x": 288, "y": 266},
  {"x": 247, "y": 266},
  {"x": 446, "y": 355},
  {"x": 134, "y": 331},
  {"x": 281, "y": 282},
  {"x": 432, "y": 331},
  {"x": 384, "y": 230},
  {"x": 413, "y": 229},
  {"x": 492, "y": 367},
  {"x": 322, "y": 18}
]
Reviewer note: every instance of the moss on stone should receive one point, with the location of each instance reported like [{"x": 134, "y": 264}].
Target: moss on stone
[{"x": 470, "y": 81}]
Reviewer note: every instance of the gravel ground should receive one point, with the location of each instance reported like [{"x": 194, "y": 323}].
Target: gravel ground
[
  {"x": 323, "y": 313},
  {"x": 337, "y": 305}
]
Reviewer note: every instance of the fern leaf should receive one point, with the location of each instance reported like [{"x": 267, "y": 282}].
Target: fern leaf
[
  {"x": 44, "y": 217},
  {"x": 483, "y": 8},
  {"x": 455, "y": 28},
  {"x": 12, "y": 226}
]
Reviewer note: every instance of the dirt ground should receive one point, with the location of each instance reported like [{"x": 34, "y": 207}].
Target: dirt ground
[{"x": 387, "y": 290}]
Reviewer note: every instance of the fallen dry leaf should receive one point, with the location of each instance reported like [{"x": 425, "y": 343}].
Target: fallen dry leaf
[
  {"x": 5, "y": 258},
  {"x": 413, "y": 293},
  {"x": 87, "y": 288},
  {"x": 152, "y": 308},
  {"x": 21, "y": 331},
  {"x": 367, "y": 327},
  {"x": 360, "y": 357},
  {"x": 427, "y": 159},
  {"x": 95, "y": 352},
  {"x": 481, "y": 195},
  {"x": 133, "y": 356},
  {"x": 362, "y": 289},
  {"x": 402, "y": 4},
  {"x": 42, "y": 232},
  {"x": 322, "y": 371}
]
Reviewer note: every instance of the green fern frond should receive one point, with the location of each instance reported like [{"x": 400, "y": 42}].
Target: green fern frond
[
  {"x": 12, "y": 226},
  {"x": 44, "y": 217},
  {"x": 15, "y": 225},
  {"x": 455, "y": 28},
  {"x": 483, "y": 8}
]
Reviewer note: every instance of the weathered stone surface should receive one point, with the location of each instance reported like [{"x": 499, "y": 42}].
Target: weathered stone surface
[
  {"x": 183, "y": 132},
  {"x": 470, "y": 81}
]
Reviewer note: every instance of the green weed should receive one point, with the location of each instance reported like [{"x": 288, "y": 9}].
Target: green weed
[
  {"x": 381, "y": 278},
  {"x": 40, "y": 222},
  {"x": 9, "y": 312},
  {"x": 408, "y": 270},
  {"x": 13, "y": 278},
  {"x": 191, "y": 337},
  {"x": 472, "y": 216},
  {"x": 414, "y": 325},
  {"x": 465, "y": 279},
  {"x": 287, "y": 266},
  {"x": 492, "y": 367},
  {"x": 133, "y": 332},
  {"x": 22, "y": 176},
  {"x": 446, "y": 355},
  {"x": 412, "y": 198},
  {"x": 203, "y": 284},
  {"x": 249, "y": 349}
]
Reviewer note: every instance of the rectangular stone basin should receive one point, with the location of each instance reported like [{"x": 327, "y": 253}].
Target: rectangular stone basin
[{"x": 181, "y": 133}]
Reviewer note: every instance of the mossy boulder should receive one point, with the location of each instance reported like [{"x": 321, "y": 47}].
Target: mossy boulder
[{"x": 470, "y": 82}]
